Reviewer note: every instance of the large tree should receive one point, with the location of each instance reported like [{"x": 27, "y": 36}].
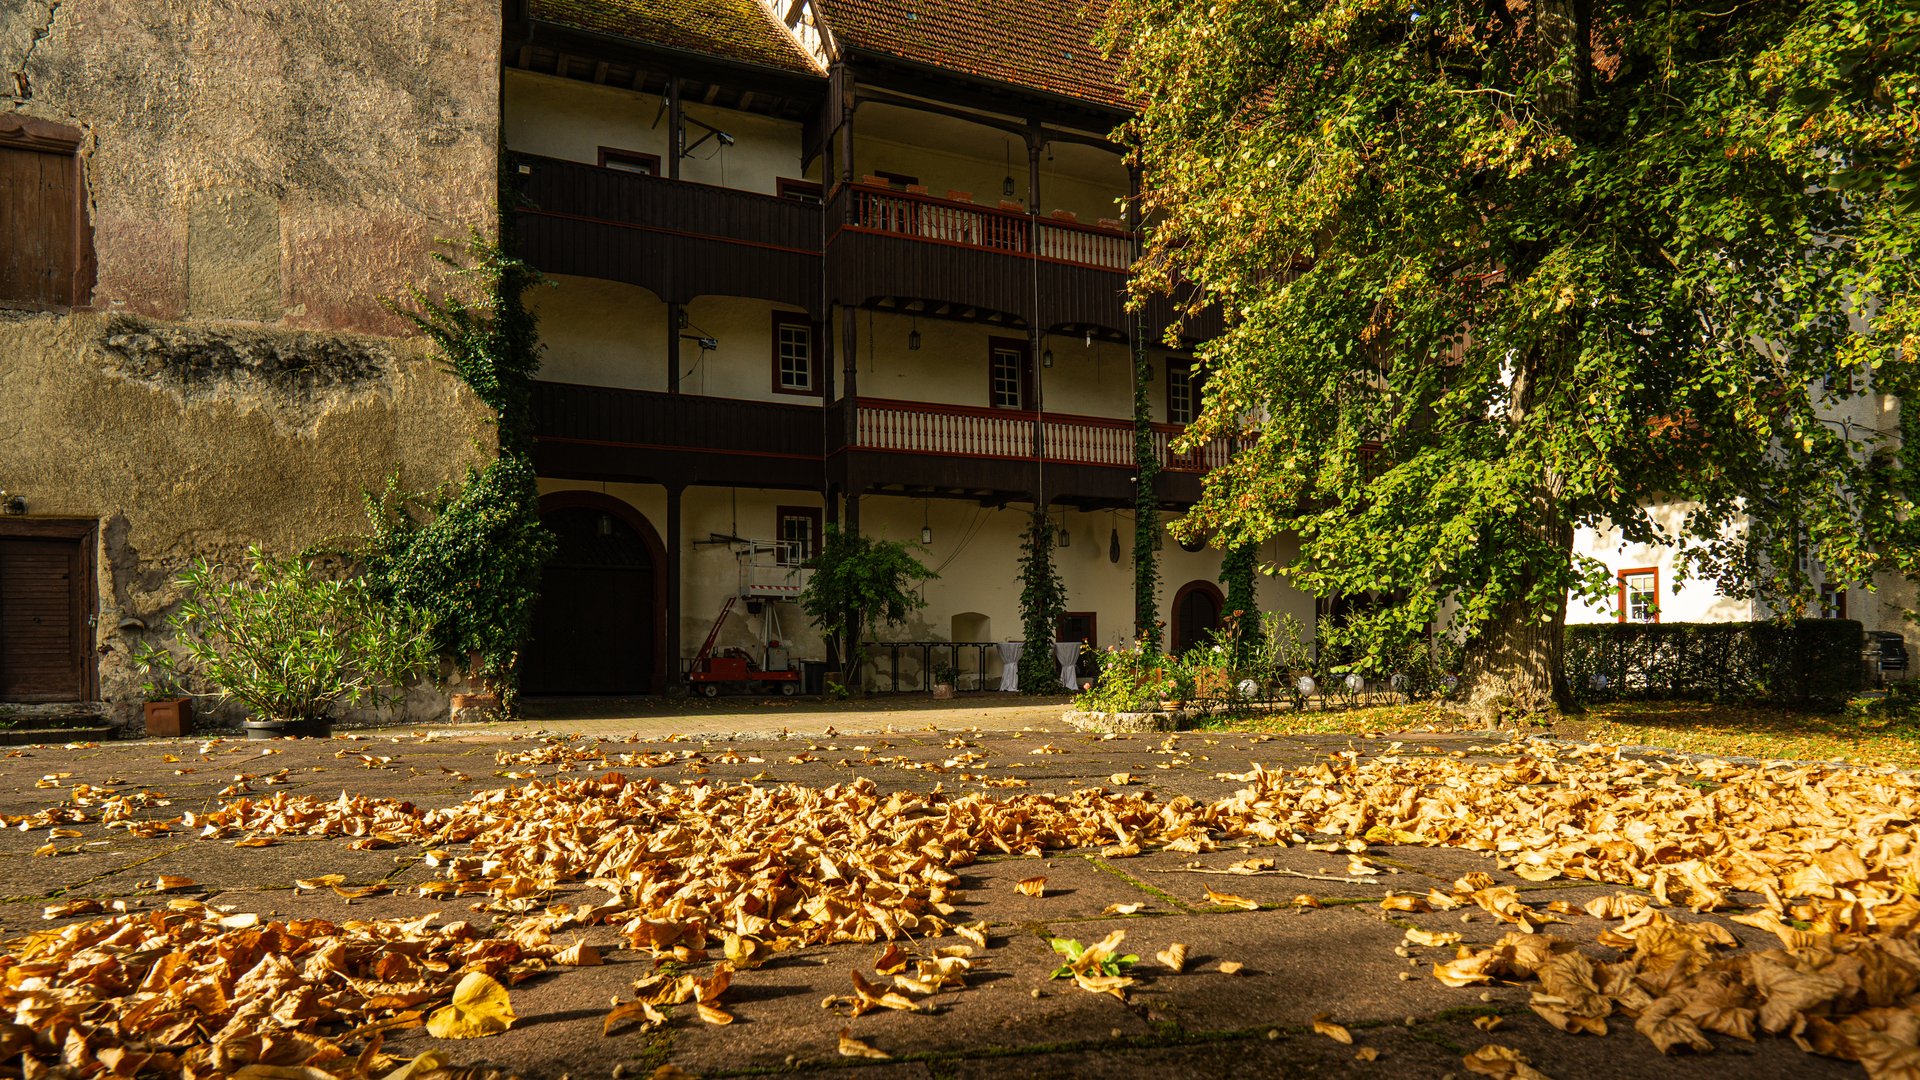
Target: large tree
[{"x": 1494, "y": 270}]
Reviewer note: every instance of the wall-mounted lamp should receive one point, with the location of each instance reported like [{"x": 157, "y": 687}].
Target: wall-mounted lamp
[
  {"x": 1089, "y": 338},
  {"x": 1046, "y": 358},
  {"x": 1006, "y": 186},
  {"x": 1113, "y": 545},
  {"x": 606, "y": 525},
  {"x": 926, "y": 528},
  {"x": 913, "y": 335},
  {"x": 1066, "y": 538}
]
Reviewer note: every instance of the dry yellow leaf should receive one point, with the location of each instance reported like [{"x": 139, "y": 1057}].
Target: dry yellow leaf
[
  {"x": 1033, "y": 886},
  {"x": 1174, "y": 956},
  {"x": 170, "y": 883},
  {"x": 1322, "y": 1025},
  {"x": 1366, "y": 1053},
  {"x": 852, "y": 1047},
  {"x": 1489, "y": 1022},
  {"x": 1431, "y": 939},
  {"x": 579, "y": 954},
  {"x": 1501, "y": 1062},
  {"x": 713, "y": 1014},
  {"x": 480, "y": 1008},
  {"x": 1121, "y": 909},
  {"x": 1307, "y": 900},
  {"x": 1231, "y": 967},
  {"x": 321, "y": 882},
  {"x": 1232, "y": 901}
]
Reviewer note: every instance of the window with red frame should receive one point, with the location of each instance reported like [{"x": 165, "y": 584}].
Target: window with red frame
[{"x": 1640, "y": 595}]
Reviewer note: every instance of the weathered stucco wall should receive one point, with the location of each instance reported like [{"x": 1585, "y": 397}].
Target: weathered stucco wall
[{"x": 258, "y": 178}]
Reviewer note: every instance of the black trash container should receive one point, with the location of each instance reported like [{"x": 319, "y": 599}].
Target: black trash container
[{"x": 813, "y": 676}]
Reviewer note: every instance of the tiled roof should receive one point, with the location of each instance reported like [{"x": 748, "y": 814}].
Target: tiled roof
[
  {"x": 1042, "y": 45},
  {"x": 738, "y": 30}
]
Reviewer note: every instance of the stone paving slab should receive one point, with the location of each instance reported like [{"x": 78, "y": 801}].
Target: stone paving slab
[{"x": 1343, "y": 958}]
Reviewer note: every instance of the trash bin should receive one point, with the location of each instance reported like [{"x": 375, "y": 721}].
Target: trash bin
[{"x": 813, "y": 676}]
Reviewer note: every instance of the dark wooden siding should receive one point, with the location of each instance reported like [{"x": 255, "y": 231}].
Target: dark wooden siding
[
  {"x": 598, "y": 432},
  {"x": 43, "y": 619},
  {"x": 679, "y": 240}
]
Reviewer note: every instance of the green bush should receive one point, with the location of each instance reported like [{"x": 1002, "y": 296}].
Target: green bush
[
  {"x": 1806, "y": 664},
  {"x": 288, "y": 643},
  {"x": 1136, "y": 679}
]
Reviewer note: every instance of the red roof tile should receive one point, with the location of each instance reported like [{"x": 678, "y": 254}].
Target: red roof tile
[
  {"x": 739, "y": 30},
  {"x": 1044, "y": 45}
]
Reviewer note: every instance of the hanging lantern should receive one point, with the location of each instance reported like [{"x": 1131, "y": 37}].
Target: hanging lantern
[{"x": 1113, "y": 546}]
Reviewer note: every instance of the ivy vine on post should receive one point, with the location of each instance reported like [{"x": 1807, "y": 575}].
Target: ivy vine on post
[
  {"x": 470, "y": 555},
  {"x": 1146, "y": 510},
  {"x": 1243, "y": 604},
  {"x": 1043, "y": 598}
]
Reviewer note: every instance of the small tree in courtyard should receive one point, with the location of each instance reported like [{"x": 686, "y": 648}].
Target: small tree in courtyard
[{"x": 859, "y": 583}]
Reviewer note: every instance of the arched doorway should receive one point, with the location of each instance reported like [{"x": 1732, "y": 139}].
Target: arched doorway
[
  {"x": 596, "y": 629},
  {"x": 1196, "y": 614}
]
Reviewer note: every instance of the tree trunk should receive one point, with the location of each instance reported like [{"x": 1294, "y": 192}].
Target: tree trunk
[{"x": 1517, "y": 666}]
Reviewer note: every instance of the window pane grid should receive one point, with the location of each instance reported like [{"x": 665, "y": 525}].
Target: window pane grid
[
  {"x": 1006, "y": 379},
  {"x": 796, "y": 357}
]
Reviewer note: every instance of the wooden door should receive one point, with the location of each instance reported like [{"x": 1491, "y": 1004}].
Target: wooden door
[
  {"x": 1196, "y": 614},
  {"x": 593, "y": 631},
  {"x": 45, "y": 604}
]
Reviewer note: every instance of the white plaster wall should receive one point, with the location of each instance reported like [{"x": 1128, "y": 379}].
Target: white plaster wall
[
  {"x": 571, "y": 120},
  {"x": 1696, "y": 600},
  {"x": 949, "y": 154},
  {"x": 601, "y": 333},
  {"x": 951, "y": 365}
]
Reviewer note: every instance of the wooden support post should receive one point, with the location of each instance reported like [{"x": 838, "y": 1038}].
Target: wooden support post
[
  {"x": 674, "y": 314},
  {"x": 676, "y": 128},
  {"x": 670, "y": 647}
]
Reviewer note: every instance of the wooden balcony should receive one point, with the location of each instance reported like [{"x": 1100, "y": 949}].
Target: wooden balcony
[
  {"x": 893, "y": 244},
  {"x": 606, "y": 433},
  {"x": 913, "y": 444},
  {"x": 678, "y": 239}
]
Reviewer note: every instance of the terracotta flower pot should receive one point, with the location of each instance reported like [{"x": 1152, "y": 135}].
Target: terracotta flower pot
[
  {"x": 943, "y": 691},
  {"x": 169, "y": 718}
]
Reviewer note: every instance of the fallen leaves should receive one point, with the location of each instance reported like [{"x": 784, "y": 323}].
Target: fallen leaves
[
  {"x": 480, "y": 1008},
  {"x": 852, "y": 1047},
  {"x": 1502, "y": 1063},
  {"x": 1322, "y": 1025},
  {"x": 1229, "y": 900},
  {"x": 1173, "y": 957},
  {"x": 1033, "y": 886}
]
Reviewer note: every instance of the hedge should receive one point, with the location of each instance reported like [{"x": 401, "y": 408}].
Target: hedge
[{"x": 1806, "y": 664}]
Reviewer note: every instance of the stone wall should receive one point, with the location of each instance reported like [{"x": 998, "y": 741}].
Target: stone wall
[{"x": 258, "y": 178}]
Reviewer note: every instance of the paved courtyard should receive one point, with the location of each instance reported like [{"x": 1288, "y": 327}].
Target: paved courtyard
[{"x": 1320, "y": 945}]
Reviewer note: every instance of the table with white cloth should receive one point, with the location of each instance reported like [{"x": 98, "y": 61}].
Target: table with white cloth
[
  {"x": 1068, "y": 654},
  {"x": 1010, "y": 664}
]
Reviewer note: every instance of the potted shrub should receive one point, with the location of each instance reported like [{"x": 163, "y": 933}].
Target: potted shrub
[
  {"x": 944, "y": 678},
  {"x": 290, "y": 644},
  {"x": 169, "y": 711}
]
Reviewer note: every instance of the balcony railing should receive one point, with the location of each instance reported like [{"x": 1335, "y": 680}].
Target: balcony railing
[
  {"x": 884, "y": 210},
  {"x": 913, "y": 427}
]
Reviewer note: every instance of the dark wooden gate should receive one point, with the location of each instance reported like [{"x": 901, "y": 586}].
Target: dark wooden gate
[
  {"x": 46, "y": 605},
  {"x": 593, "y": 631}
]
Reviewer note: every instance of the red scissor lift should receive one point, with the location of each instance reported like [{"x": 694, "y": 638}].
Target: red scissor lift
[{"x": 768, "y": 575}]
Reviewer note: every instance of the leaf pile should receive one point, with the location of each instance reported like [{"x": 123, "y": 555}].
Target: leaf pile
[
  {"x": 188, "y": 991},
  {"x": 766, "y": 868}
]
